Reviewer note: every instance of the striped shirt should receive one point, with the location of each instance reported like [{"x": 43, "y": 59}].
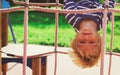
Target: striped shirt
[{"x": 75, "y": 19}]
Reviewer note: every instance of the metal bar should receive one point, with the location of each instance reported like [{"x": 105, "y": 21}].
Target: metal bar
[
  {"x": 56, "y": 37},
  {"x": 103, "y": 47},
  {"x": 66, "y": 11},
  {"x": 117, "y": 4},
  {"x": 113, "y": 53},
  {"x": 111, "y": 44},
  {"x": 19, "y": 8},
  {"x": 38, "y": 4},
  {"x": 25, "y": 37},
  {"x": 12, "y": 9}
]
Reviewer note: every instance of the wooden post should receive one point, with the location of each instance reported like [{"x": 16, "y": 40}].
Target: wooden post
[
  {"x": 4, "y": 69},
  {"x": 4, "y": 29},
  {"x": 36, "y": 66},
  {"x": 4, "y": 35},
  {"x": 0, "y": 41},
  {"x": 39, "y": 66}
]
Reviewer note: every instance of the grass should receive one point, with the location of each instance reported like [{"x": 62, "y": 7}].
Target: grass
[{"x": 42, "y": 30}]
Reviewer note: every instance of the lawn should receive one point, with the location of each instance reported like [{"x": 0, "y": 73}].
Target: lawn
[{"x": 42, "y": 30}]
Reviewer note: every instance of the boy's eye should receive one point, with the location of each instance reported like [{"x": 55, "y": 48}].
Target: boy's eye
[
  {"x": 81, "y": 42},
  {"x": 91, "y": 42}
]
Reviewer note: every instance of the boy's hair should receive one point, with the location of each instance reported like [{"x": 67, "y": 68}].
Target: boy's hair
[{"x": 88, "y": 58}]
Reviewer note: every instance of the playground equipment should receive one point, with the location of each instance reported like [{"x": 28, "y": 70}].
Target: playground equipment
[
  {"x": 26, "y": 6},
  {"x": 0, "y": 38}
]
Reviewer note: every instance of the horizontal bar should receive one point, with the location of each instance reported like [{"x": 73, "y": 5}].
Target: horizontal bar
[
  {"x": 38, "y": 4},
  {"x": 19, "y": 8},
  {"x": 13, "y": 9},
  {"x": 66, "y": 11},
  {"x": 113, "y": 53}
]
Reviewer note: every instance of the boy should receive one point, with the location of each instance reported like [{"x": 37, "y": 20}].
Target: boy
[{"x": 87, "y": 43}]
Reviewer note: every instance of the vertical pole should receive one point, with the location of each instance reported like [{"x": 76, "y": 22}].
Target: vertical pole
[
  {"x": 56, "y": 37},
  {"x": 0, "y": 39},
  {"x": 56, "y": 27},
  {"x": 111, "y": 44},
  {"x": 25, "y": 36},
  {"x": 103, "y": 47}
]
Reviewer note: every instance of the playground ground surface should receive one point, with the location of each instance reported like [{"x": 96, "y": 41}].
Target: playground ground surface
[{"x": 65, "y": 66}]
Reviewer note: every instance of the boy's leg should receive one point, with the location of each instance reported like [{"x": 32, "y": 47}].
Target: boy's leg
[{"x": 69, "y": 4}]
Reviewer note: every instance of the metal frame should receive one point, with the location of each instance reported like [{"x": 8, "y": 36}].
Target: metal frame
[{"x": 26, "y": 6}]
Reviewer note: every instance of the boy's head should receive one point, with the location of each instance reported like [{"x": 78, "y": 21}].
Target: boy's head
[{"x": 86, "y": 44}]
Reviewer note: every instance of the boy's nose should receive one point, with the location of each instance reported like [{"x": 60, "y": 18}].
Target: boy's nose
[{"x": 86, "y": 37}]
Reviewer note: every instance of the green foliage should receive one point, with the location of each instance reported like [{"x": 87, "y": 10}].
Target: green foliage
[{"x": 117, "y": 0}]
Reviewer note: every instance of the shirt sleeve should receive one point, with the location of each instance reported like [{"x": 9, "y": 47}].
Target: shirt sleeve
[{"x": 69, "y": 4}]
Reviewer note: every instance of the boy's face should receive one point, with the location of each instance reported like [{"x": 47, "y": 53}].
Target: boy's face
[{"x": 87, "y": 35}]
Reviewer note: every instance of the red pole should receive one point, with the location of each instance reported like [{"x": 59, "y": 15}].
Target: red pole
[
  {"x": 56, "y": 37},
  {"x": 25, "y": 37},
  {"x": 103, "y": 47},
  {"x": 111, "y": 44}
]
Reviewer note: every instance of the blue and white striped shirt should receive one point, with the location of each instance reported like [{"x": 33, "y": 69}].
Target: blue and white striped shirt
[{"x": 75, "y": 19}]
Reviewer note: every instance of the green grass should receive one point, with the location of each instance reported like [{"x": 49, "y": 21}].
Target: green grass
[{"x": 42, "y": 30}]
